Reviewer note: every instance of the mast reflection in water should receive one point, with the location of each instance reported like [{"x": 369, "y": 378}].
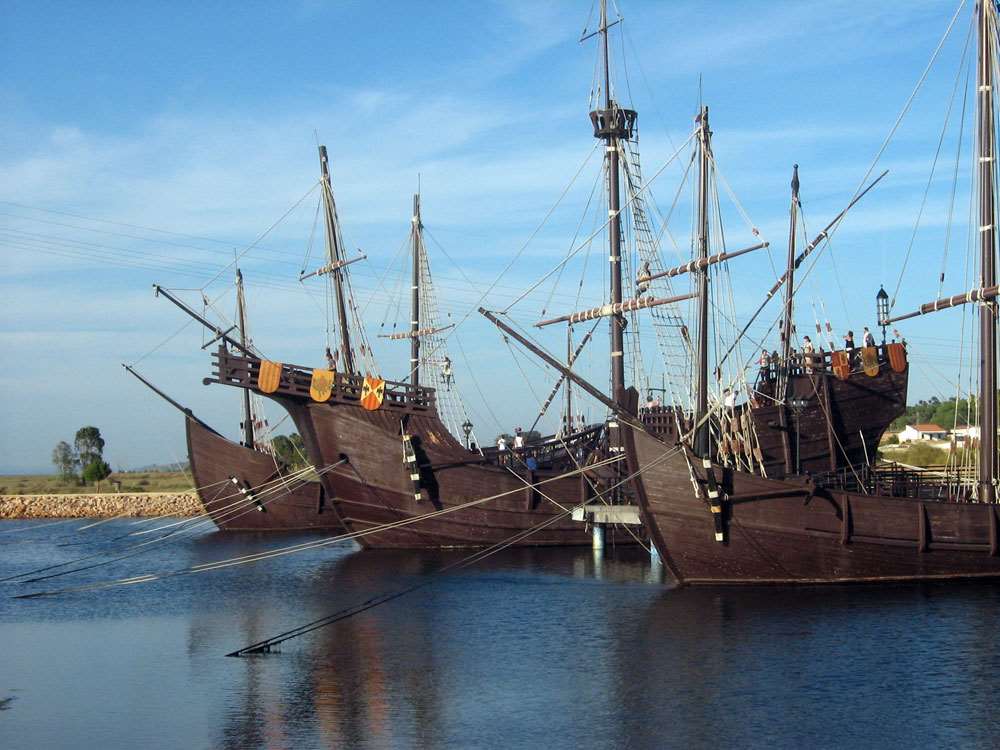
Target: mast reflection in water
[{"x": 533, "y": 646}]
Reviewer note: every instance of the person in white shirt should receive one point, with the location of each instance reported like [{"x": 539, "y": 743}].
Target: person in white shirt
[
  {"x": 501, "y": 444},
  {"x": 446, "y": 372},
  {"x": 867, "y": 339},
  {"x": 518, "y": 439},
  {"x": 728, "y": 399}
]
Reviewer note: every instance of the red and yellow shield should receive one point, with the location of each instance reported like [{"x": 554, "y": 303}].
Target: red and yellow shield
[
  {"x": 269, "y": 376},
  {"x": 841, "y": 363},
  {"x": 321, "y": 385},
  {"x": 897, "y": 356},
  {"x": 372, "y": 392},
  {"x": 869, "y": 360}
]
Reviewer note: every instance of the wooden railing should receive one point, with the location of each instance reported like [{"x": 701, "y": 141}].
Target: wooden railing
[
  {"x": 242, "y": 371},
  {"x": 819, "y": 362},
  {"x": 551, "y": 450},
  {"x": 893, "y": 480}
]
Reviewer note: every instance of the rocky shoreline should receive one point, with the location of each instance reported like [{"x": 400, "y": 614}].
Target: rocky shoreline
[{"x": 130, "y": 504}]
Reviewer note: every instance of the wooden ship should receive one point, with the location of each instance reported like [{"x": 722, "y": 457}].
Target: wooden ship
[
  {"x": 793, "y": 422},
  {"x": 835, "y": 423},
  {"x": 716, "y": 523},
  {"x": 800, "y": 502},
  {"x": 384, "y": 453},
  {"x": 245, "y": 486}
]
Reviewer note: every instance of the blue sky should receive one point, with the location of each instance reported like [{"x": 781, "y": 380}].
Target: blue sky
[{"x": 145, "y": 142}]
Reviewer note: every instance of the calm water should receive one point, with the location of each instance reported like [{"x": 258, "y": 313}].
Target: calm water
[{"x": 529, "y": 649}]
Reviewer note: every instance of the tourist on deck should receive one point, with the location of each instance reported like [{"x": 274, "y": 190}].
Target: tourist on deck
[
  {"x": 331, "y": 360},
  {"x": 867, "y": 339},
  {"x": 765, "y": 364},
  {"x": 729, "y": 399},
  {"x": 807, "y": 353},
  {"x": 849, "y": 341},
  {"x": 446, "y": 372},
  {"x": 518, "y": 439},
  {"x": 642, "y": 287}
]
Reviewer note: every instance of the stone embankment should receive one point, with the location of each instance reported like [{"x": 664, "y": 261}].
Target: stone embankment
[{"x": 135, "y": 505}]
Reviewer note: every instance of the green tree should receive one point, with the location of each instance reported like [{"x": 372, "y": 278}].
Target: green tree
[
  {"x": 96, "y": 471},
  {"x": 65, "y": 460},
  {"x": 290, "y": 450},
  {"x": 89, "y": 445}
]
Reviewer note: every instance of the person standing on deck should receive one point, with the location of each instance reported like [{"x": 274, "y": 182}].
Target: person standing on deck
[
  {"x": 446, "y": 372},
  {"x": 518, "y": 439},
  {"x": 867, "y": 339},
  {"x": 729, "y": 399},
  {"x": 807, "y": 352}
]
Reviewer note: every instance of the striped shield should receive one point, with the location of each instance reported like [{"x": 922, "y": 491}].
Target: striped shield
[
  {"x": 841, "y": 363},
  {"x": 269, "y": 376},
  {"x": 372, "y": 392},
  {"x": 321, "y": 385},
  {"x": 897, "y": 357},
  {"x": 869, "y": 360}
]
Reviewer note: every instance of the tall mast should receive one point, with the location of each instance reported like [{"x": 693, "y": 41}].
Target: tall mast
[
  {"x": 241, "y": 313},
  {"x": 612, "y": 124},
  {"x": 701, "y": 438},
  {"x": 417, "y": 239},
  {"x": 987, "y": 249},
  {"x": 336, "y": 254},
  {"x": 568, "y": 427},
  {"x": 786, "y": 322}
]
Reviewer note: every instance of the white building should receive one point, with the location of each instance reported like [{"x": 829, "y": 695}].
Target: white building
[
  {"x": 914, "y": 432},
  {"x": 962, "y": 434}
]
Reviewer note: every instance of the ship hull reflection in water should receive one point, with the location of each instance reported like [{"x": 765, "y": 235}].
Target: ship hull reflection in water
[{"x": 532, "y": 646}]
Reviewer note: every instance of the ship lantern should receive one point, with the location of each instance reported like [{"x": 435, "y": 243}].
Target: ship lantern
[
  {"x": 467, "y": 429},
  {"x": 882, "y": 309}
]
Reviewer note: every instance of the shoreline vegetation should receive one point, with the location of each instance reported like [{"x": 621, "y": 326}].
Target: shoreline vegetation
[{"x": 135, "y": 482}]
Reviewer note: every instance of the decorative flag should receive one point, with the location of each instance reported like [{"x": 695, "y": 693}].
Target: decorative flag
[
  {"x": 372, "y": 392},
  {"x": 841, "y": 365},
  {"x": 897, "y": 356},
  {"x": 321, "y": 385},
  {"x": 869, "y": 360},
  {"x": 269, "y": 376}
]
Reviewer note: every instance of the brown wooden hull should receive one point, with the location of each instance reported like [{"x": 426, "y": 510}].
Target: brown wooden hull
[
  {"x": 374, "y": 486},
  {"x": 214, "y": 460},
  {"x": 840, "y": 425},
  {"x": 781, "y": 532}
]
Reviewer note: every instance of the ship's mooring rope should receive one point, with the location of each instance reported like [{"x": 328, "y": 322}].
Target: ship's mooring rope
[
  {"x": 265, "y": 646},
  {"x": 135, "y": 549},
  {"x": 304, "y": 546}
]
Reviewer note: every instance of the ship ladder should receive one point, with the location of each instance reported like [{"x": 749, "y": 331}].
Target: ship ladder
[
  {"x": 715, "y": 501},
  {"x": 410, "y": 462}
]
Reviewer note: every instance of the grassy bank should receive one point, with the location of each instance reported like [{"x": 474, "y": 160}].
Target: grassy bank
[{"x": 49, "y": 484}]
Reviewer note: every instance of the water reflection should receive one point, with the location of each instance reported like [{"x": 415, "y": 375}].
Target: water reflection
[{"x": 532, "y": 647}]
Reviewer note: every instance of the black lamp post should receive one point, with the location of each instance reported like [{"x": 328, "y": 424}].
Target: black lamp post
[
  {"x": 467, "y": 429},
  {"x": 882, "y": 309}
]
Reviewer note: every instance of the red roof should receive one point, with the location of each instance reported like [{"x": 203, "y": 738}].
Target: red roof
[{"x": 928, "y": 428}]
